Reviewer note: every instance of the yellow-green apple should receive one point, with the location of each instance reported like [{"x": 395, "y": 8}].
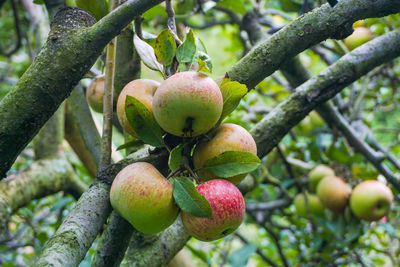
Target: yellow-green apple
[
  {"x": 360, "y": 36},
  {"x": 141, "y": 89},
  {"x": 187, "y": 104},
  {"x": 226, "y": 137},
  {"x": 94, "y": 95},
  {"x": 314, "y": 205},
  {"x": 319, "y": 173},
  {"x": 371, "y": 200},
  {"x": 144, "y": 197},
  {"x": 334, "y": 193},
  {"x": 228, "y": 209}
]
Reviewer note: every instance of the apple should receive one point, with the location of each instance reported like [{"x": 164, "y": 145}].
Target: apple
[
  {"x": 143, "y": 90},
  {"x": 228, "y": 209},
  {"x": 371, "y": 200},
  {"x": 144, "y": 197},
  {"x": 334, "y": 193},
  {"x": 225, "y": 137},
  {"x": 318, "y": 173},
  {"x": 187, "y": 104},
  {"x": 95, "y": 93},
  {"x": 314, "y": 205},
  {"x": 360, "y": 36}
]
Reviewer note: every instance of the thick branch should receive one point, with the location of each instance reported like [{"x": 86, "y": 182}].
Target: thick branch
[
  {"x": 307, "y": 30},
  {"x": 42, "y": 178}
]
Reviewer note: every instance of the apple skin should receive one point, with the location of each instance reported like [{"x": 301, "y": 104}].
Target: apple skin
[
  {"x": 94, "y": 95},
  {"x": 360, "y": 36},
  {"x": 228, "y": 208},
  {"x": 319, "y": 173},
  {"x": 144, "y": 197},
  {"x": 314, "y": 205},
  {"x": 371, "y": 200},
  {"x": 187, "y": 104},
  {"x": 225, "y": 137},
  {"x": 143, "y": 90},
  {"x": 334, "y": 193}
]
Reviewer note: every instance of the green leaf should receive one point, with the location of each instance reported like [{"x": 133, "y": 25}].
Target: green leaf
[
  {"x": 38, "y": 2},
  {"x": 165, "y": 47},
  {"x": 204, "y": 61},
  {"x": 130, "y": 144},
  {"x": 231, "y": 163},
  {"x": 189, "y": 200},
  {"x": 187, "y": 50},
  {"x": 234, "y": 5},
  {"x": 98, "y": 8},
  {"x": 232, "y": 93},
  {"x": 143, "y": 122},
  {"x": 240, "y": 257},
  {"x": 175, "y": 157},
  {"x": 147, "y": 55}
]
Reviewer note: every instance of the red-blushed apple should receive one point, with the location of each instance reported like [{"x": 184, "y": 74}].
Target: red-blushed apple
[
  {"x": 144, "y": 197},
  {"x": 187, "y": 104},
  {"x": 143, "y": 90},
  {"x": 314, "y": 205},
  {"x": 94, "y": 95},
  {"x": 371, "y": 200},
  {"x": 334, "y": 193},
  {"x": 228, "y": 209},
  {"x": 319, "y": 173},
  {"x": 360, "y": 36},
  {"x": 226, "y": 137}
]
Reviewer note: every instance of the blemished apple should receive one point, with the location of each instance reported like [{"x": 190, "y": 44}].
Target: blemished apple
[
  {"x": 319, "y": 173},
  {"x": 144, "y": 197},
  {"x": 187, "y": 104},
  {"x": 95, "y": 93},
  {"x": 360, "y": 36},
  {"x": 143, "y": 90},
  {"x": 228, "y": 208},
  {"x": 314, "y": 205},
  {"x": 371, "y": 200},
  {"x": 226, "y": 137},
  {"x": 334, "y": 193}
]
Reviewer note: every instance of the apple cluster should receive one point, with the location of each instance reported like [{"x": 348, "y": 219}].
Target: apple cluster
[
  {"x": 370, "y": 200},
  {"x": 187, "y": 105}
]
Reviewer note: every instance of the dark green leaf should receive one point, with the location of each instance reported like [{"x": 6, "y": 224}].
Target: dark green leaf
[
  {"x": 130, "y": 144},
  {"x": 143, "y": 122},
  {"x": 240, "y": 257},
  {"x": 165, "y": 47},
  {"x": 38, "y": 2},
  {"x": 175, "y": 157},
  {"x": 231, "y": 163},
  {"x": 187, "y": 50},
  {"x": 146, "y": 53},
  {"x": 189, "y": 200},
  {"x": 234, "y": 5},
  {"x": 232, "y": 93},
  {"x": 98, "y": 8}
]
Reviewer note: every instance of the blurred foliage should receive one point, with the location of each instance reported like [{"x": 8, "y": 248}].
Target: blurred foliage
[{"x": 280, "y": 234}]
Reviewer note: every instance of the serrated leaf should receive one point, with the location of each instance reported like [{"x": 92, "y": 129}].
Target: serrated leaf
[
  {"x": 231, "y": 163},
  {"x": 189, "y": 199},
  {"x": 130, "y": 144},
  {"x": 232, "y": 93},
  {"x": 235, "y": 5},
  {"x": 143, "y": 122},
  {"x": 187, "y": 50},
  {"x": 175, "y": 157},
  {"x": 147, "y": 55},
  {"x": 165, "y": 47}
]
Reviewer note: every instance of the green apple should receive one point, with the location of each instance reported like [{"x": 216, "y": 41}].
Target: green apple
[
  {"x": 95, "y": 93},
  {"x": 334, "y": 193},
  {"x": 360, "y": 36},
  {"x": 371, "y": 200},
  {"x": 143, "y": 90},
  {"x": 319, "y": 173},
  {"x": 226, "y": 137},
  {"x": 144, "y": 197},
  {"x": 187, "y": 104},
  {"x": 228, "y": 209},
  {"x": 314, "y": 205}
]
